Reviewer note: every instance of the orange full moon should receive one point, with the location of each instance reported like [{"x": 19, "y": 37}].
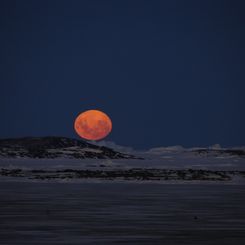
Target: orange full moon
[{"x": 93, "y": 125}]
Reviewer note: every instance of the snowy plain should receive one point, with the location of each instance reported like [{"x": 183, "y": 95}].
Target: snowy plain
[{"x": 99, "y": 212}]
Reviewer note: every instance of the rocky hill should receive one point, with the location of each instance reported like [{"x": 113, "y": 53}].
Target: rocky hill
[{"x": 56, "y": 147}]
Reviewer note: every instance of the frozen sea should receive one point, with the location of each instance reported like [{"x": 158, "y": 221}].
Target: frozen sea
[{"x": 121, "y": 213}]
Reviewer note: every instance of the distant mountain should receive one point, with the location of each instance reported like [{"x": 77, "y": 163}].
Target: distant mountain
[
  {"x": 212, "y": 151},
  {"x": 218, "y": 152},
  {"x": 56, "y": 147}
]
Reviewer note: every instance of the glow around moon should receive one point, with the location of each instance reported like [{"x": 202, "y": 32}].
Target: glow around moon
[{"x": 93, "y": 125}]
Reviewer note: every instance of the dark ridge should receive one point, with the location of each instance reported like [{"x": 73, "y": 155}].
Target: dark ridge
[
  {"x": 56, "y": 147},
  {"x": 49, "y": 142}
]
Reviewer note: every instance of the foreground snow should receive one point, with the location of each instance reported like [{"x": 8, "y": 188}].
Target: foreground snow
[
  {"x": 159, "y": 164},
  {"x": 142, "y": 214}
]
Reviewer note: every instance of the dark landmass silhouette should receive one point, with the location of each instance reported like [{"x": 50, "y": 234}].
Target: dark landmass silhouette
[{"x": 57, "y": 147}]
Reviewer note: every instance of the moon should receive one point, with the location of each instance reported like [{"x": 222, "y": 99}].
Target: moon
[{"x": 93, "y": 125}]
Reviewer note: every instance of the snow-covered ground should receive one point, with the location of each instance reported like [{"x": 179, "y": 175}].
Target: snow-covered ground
[
  {"x": 98, "y": 212},
  {"x": 130, "y": 214},
  {"x": 168, "y": 157}
]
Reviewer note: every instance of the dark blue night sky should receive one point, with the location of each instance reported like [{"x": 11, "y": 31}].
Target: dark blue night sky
[{"x": 166, "y": 72}]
